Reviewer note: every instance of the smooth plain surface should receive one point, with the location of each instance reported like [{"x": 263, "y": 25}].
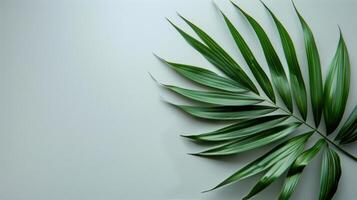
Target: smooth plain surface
[{"x": 80, "y": 118}]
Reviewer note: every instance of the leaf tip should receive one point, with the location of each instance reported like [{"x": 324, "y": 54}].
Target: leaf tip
[
  {"x": 262, "y": 2},
  {"x": 292, "y": 1},
  {"x": 154, "y": 54},
  {"x": 267, "y": 8},
  {"x": 180, "y": 15},
  {"x": 171, "y": 22},
  {"x": 160, "y": 58},
  {"x": 170, "y": 103},
  {"x": 156, "y": 81},
  {"x": 341, "y": 35},
  {"x": 215, "y": 5},
  {"x": 194, "y": 154},
  {"x": 192, "y": 137},
  {"x": 209, "y": 190},
  {"x": 298, "y": 13},
  {"x": 235, "y": 5},
  {"x": 152, "y": 77}
]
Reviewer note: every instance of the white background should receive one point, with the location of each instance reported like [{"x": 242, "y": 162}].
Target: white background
[{"x": 80, "y": 118}]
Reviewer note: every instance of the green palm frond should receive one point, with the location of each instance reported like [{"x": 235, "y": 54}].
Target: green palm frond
[{"x": 255, "y": 119}]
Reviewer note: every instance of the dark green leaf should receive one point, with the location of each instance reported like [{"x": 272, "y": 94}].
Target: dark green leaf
[
  {"x": 253, "y": 64},
  {"x": 267, "y": 160},
  {"x": 296, "y": 79},
  {"x": 206, "y": 77},
  {"x": 217, "y": 98},
  {"x": 337, "y": 86},
  {"x": 315, "y": 77},
  {"x": 348, "y": 132},
  {"x": 279, "y": 78},
  {"x": 297, "y": 168},
  {"x": 248, "y": 143},
  {"x": 227, "y": 112},
  {"x": 222, "y": 61},
  {"x": 242, "y": 76},
  {"x": 232, "y": 100},
  {"x": 330, "y": 174},
  {"x": 241, "y": 129},
  {"x": 274, "y": 172}
]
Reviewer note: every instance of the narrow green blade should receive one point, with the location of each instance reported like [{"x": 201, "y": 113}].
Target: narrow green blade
[
  {"x": 220, "y": 61},
  {"x": 241, "y": 129},
  {"x": 240, "y": 76},
  {"x": 278, "y": 75},
  {"x": 227, "y": 112},
  {"x": 255, "y": 141},
  {"x": 296, "y": 80},
  {"x": 217, "y": 98},
  {"x": 275, "y": 172},
  {"x": 297, "y": 168},
  {"x": 267, "y": 160},
  {"x": 205, "y": 77},
  {"x": 330, "y": 174},
  {"x": 315, "y": 77},
  {"x": 337, "y": 86},
  {"x": 348, "y": 132},
  {"x": 253, "y": 64}
]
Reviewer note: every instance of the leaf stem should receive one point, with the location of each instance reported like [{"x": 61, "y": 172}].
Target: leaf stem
[{"x": 315, "y": 130}]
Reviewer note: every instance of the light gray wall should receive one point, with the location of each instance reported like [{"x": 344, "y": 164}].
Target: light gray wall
[{"x": 81, "y": 118}]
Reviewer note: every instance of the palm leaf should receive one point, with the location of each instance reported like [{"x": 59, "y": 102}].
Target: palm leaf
[
  {"x": 348, "y": 132},
  {"x": 315, "y": 77},
  {"x": 217, "y": 98},
  {"x": 296, "y": 80},
  {"x": 274, "y": 172},
  {"x": 330, "y": 174},
  {"x": 218, "y": 58},
  {"x": 297, "y": 168},
  {"x": 253, "y": 64},
  {"x": 225, "y": 57},
  {"x": 226, "y": 112},
  {"x": 337, "y": 86},
  {"x": 241, "y": 129},
  {"x": 251, "y": 142},
  {"x": 234, "y": 98},
  {"x": 280, "y": 80},
  {"x": 267, "y": 160},
  {"x": 205, "y": 77}
]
